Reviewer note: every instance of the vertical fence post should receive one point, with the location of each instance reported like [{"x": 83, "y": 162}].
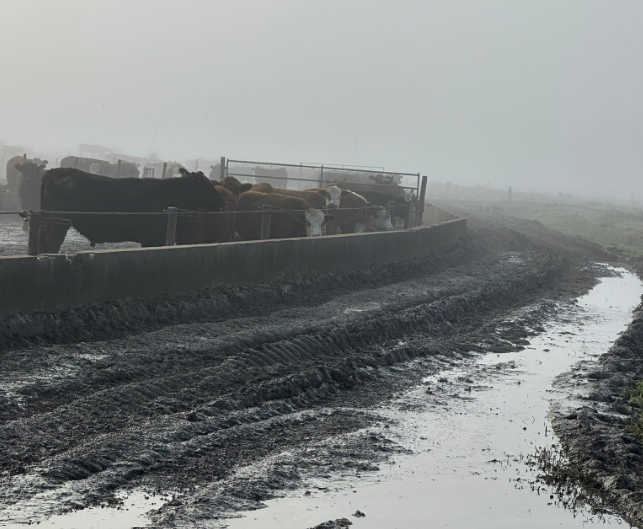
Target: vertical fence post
[
  {"x": 118, "y": 168},
  {"x": 172, "y": 218},
  {"x": 222, "y": 169},
  {"x": 368, "y": 215},
  {"x": 321, "y": 177},
  {"x": 391, "y": 210},
  {"x": 420, "y": 211},
  {"x": 164, "y": 170},
  {"x": 24, "y": 157},
  {"x": 33, "y": 247},
  {"x": 331, "y": 226},
  {"x": 410, "y": 220},
  {"x": 76, "y": 162},
  {"x": 266, "y": 220}
]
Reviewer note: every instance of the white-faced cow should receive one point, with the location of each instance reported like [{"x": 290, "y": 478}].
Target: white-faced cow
[{"x": 290, "y": 217}]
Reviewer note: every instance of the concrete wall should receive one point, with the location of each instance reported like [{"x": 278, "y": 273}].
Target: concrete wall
[
  {"x": 435, "y": 215},
  {"x": 57, "y": 282}
]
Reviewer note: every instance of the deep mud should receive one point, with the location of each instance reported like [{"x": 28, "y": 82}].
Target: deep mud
[
  {"x": 469, "y": 432},
  {"x": 180, "y": 394},
  {"x": 599, "y": 453}
]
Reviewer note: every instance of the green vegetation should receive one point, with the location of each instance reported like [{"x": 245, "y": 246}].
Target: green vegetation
[
  {"x": 609, "y": 225},
  {"x": 602, "y": 224}
]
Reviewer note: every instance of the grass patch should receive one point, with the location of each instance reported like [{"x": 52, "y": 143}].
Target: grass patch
[{"x": 606, "y": 226}]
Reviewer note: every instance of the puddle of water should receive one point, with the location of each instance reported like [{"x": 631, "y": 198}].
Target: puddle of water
[
  {"x": 129, "y": 515},
  {"x": 467, "y": 469}
]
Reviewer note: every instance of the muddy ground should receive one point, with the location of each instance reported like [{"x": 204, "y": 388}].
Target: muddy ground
[{"x": 199, "y": 397}]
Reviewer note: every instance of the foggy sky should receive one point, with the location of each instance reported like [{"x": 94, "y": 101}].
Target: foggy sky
[{"x": 539, "y": 94}]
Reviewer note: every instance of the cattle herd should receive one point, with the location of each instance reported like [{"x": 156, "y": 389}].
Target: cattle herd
[{"x": 107, "y": 202}]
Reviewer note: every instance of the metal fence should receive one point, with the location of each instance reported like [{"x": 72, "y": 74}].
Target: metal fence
[
  {"x": 38, "y": 219},
  {"x": 299, "y": 176}
]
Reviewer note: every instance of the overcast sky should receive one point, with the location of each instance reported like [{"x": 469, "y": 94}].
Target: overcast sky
[{"x": 544, "y": 94}]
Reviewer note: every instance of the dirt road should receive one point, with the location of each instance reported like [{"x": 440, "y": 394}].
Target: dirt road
[{"x": 175, "y": 394}]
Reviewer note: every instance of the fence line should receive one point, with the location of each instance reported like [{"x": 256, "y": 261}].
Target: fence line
[{"x": 325, "y": 167}]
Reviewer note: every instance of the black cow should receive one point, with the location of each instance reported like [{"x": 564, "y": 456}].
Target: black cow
[
  {"x": 30, "y": 183},
  {"x": 68, "y": 189}
]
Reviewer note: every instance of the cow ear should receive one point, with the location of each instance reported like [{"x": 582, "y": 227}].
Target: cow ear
[
  {"x": 329, "y": 218},
  {"x": 184, "y": 171},
  {"x": 324, "y": 193},
  {"x": 300, "y": 217},
  {"x": 45, "y": 162},
  {"x": 215, "y": 183},
  {"x": 246, "y": 187},
  {"x": 18, "y": 167}
]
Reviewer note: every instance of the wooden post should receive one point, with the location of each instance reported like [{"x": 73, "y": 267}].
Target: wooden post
[
  {"x": 164, "y": 170},
  {"x": 266, "y": 220},
  {"x": 321, "y": 178},
  {"x": 331, "y": 227},
  {"x": 409, "y": 220},
  {"x": 33, "y": 247},
  {"x": 24, "y": 157},
  {"x": 118, "y": 168},
  {"x": 391, "y": 210},
  {"x": 368, "y": 214},
  {"x": 420, "y": 210},
  {"x": 222, "y": 169},
  {"x": 172, "y": 218}
]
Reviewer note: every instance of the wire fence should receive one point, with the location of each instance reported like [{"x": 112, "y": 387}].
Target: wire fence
[{"x": 366, "y": 215}]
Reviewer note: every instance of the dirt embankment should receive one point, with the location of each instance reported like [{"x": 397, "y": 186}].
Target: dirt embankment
[
  {"x": 203, "y": 394},
  {"x": 603, "y": 456}
]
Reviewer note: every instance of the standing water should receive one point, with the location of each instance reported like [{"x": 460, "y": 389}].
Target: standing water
[{"x": 473, "y": 427}]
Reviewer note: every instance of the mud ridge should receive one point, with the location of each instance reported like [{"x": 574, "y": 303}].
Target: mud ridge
[
  {"x": 603, "y": 457},
  {"x": 125, "y": 317}
]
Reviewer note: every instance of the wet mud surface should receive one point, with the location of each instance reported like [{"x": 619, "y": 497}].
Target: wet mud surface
[
  {"x": 227, "y": 398},
  {"x": 598, "y": 451},
  {"x": 469, "y": 433}
]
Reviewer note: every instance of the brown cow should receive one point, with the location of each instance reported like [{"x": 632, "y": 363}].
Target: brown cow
[
  {"x": 292, "y": 217},
  {"x": 203, "y": 228},
  {"x": 315, "y": 198}
]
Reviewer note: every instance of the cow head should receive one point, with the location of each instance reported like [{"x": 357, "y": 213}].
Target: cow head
[
  {"x": 30, "y": 183},
  {"x": 204, "y": 195},
  {"x": 245, "y": 188},
  {"x": 232, "y": 184},
  {"x": 315, "y": 219},
  {"x": 381, "y": 220},
  {"x": 335, "y": 195}
]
